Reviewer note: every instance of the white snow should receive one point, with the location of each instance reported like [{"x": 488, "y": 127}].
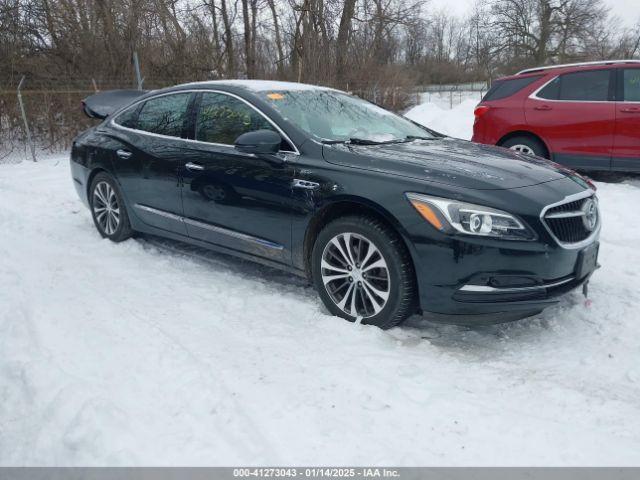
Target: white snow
[
  {"x": 153, "y": 353},
  {"x": 455, "y": 122}
]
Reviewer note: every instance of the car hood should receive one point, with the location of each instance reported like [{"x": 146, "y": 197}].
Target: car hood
[{"x": 449, "y": 161}]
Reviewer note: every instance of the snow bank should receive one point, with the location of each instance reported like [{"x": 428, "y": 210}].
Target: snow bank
[{"x": 456, "y": 122}]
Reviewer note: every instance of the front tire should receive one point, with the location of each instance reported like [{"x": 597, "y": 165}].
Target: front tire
[
  {"x": 108, "y": 208},
  {"x": 363, "y": 271}
]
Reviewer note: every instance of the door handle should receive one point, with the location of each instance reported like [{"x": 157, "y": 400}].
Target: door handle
[
  {"x": 124, "y": 154},
  {"x": 630, "y": 110},
  {"x": 543, "y": 107},
  {"x": 194, "y": 167}
]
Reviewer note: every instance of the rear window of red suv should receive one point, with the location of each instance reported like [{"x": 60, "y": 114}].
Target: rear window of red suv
[{"x": 505, "y": 88}]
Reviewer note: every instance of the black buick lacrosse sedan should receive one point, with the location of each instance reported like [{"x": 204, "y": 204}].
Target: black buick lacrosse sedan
[{"x": 386, "y": 217}]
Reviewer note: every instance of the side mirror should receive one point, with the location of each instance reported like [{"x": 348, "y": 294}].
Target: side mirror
[{"x": 259, "y": 141}]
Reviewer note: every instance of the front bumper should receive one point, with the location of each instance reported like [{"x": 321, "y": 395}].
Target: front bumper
[
  {"x": 486, "y": 284},
  {"x": 464, "y": 279}
]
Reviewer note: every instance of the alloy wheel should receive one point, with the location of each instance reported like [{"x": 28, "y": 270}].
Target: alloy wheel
[
  {"x": 106, "y": 208},
  {"x": 526, "y": 149},
  {"x": 355, "y": 275}
]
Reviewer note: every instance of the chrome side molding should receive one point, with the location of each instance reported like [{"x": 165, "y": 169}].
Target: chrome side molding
[{"x": 214, "y": 228}]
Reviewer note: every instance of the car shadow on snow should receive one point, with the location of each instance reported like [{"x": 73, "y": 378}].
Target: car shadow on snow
[
  {"x": 416, "y": 331},
  {"x": 234, "y": 265}
]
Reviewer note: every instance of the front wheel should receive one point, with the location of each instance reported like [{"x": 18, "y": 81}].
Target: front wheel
[
  {"x": 363, "y": 271},
  {"x": 108, "y": 208}
]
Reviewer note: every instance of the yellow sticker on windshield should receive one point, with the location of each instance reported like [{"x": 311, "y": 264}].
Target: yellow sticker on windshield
[{"x": 275, "y": 96}]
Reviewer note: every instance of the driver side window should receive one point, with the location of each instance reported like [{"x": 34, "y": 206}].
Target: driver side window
[{"x": 221, "y": 119}]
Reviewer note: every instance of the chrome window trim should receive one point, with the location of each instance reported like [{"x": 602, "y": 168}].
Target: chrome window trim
[
  {"x": 113, "y": 122},
  {"x": 568, "y": 199},
  {"x": 534, "y": 94},
  {"x": 224, "y": 231},
  {"x": 488, "y": 289}
]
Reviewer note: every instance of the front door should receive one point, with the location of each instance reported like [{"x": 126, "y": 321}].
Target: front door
[
  {"x": 575, "y": 115},
  {"x": 233, "y": 199},
  {"x": 150, "y": 156},
  {"x": 626, "y": 151}
]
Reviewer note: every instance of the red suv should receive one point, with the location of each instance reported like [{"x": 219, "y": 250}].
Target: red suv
[{"x": 585, "y": 116}]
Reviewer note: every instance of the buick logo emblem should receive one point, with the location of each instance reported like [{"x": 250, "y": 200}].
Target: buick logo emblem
[{"x": 589, "y": 214}]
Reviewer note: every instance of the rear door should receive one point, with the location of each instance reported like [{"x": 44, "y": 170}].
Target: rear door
[
  {"x": 151, "y": 157},
  {"x": 575, "y": 114},
  {"x": 626, "y": 154},
  {"x": 236, "y": 200}
]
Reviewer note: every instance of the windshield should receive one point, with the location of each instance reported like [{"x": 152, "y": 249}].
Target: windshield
[{"x": 332, "y": 116}]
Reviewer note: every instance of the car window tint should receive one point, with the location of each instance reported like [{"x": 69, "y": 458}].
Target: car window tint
[
  {"x": 222, "y": 119},
  {"x": 551, "y": 90},
  {"x": 585, "y": 86},
  {"x": 631, "y": 85},
  {"x": 164, "y": 115},
  {"x": 128, "y": 118},
  {"x": 506, "y": 88}
]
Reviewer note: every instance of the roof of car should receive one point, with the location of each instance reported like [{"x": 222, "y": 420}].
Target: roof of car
[
  {"x": 258, "y": 85},
  {"x": 539, "y": 71},
  {"x": 577, "y": 65}
]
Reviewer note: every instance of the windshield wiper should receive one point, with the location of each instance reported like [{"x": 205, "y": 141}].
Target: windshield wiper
[
  {"x": 417, "y": 137},
  {"x": 363, "y": 141}
]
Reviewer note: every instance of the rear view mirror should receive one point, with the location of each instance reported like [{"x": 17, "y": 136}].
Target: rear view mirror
[{"x": 259, "y": 141}]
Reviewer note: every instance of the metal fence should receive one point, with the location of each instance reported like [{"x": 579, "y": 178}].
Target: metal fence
[{"x": 452, "y": 94}]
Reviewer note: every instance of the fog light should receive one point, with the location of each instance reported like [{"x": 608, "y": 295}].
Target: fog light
[{"x": 479, "y": 223}]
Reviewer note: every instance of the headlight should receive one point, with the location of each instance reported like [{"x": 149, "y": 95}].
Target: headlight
[{"x": 452, "y": 215}]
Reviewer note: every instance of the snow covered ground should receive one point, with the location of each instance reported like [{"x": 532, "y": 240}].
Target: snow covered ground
[
  {"x": 152, "y": 353},
  {"x": 437, "y": 114}
]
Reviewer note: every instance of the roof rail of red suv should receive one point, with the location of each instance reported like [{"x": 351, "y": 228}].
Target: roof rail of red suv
[{"x": 580, "y": 64}]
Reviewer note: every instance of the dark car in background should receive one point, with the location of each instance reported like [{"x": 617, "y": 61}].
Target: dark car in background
[
  {"x": 386, "y": 217},
  {"x": 585, "y": 116}
]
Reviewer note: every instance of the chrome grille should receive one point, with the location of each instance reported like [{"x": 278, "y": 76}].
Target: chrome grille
[{"x": 566, "y": 221}]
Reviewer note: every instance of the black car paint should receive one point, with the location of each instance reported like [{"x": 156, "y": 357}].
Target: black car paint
[{"x": 246, "y": 205}]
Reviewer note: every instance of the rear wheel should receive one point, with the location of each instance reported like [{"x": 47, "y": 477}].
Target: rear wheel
[
  {"x": 108, "y": 208},
  {"x": 527, "y": 145},
  {"x": 363, "y": 271}
]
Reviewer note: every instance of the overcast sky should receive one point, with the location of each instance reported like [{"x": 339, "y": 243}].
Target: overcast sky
[{"x": 627, "y": 10}]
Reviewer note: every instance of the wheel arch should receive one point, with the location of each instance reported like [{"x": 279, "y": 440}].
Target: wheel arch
[
  {"x": 345, "y": 206},
  {"x": 92, "y": 174},
  {"x": 524, "y": 133}
]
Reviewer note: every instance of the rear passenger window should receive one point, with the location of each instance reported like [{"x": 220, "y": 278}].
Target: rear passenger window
[
  {"x": 164, "y": 115},
  {"x": 591, "y": 86},
  {"x": 631, "y": 85},
  {"x": 506, "y": 88}
]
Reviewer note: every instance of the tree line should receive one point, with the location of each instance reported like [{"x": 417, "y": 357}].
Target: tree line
[
  {"x": 336, "y": 42},
  {"x": 365, "y": 46}
]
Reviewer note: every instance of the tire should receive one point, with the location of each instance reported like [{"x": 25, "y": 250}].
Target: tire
[
  {"x": 384, "y": 295},
  {"x": 526, "y": 144},
  {"x": 108, "y": 208}
]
